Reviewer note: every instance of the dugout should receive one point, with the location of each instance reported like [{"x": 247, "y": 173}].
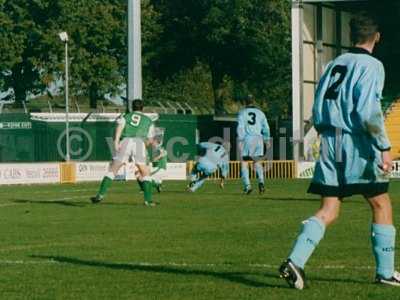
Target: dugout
[{"x": 320, "y": 32}]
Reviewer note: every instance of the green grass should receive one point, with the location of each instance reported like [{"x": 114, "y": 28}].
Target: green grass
[{"x": 209, "y": 245}]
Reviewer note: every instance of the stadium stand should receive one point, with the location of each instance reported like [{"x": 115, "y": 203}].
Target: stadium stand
[{"x": 392, "y": 123}]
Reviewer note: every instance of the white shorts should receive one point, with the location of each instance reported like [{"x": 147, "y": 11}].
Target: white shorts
[
  {"x": 131, "y": 150},
  {"x": 159, "y": 175}
]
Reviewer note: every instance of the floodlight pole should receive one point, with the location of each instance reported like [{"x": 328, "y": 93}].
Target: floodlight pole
[
  {"x": 64, "y": 38},
  {"x": 67, "y": 155},
  {"x": 297, "y": 79},
  {"x": 134, "y": 86}
]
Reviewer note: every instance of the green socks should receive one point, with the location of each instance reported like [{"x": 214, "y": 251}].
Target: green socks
[
  {"x": 147, "y": 189},
  {"x": 105, "y": 185},
  {"x": 140, "y": 183},
  {"x": 146, "y": 185}
]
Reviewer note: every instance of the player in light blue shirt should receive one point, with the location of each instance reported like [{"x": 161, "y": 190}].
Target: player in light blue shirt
[
  {"x": 354, "y": 156},
  {"x": 253, "y": 132},
  {"x": 211, "y": 157}
]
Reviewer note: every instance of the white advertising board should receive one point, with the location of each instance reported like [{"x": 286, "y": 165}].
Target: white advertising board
[
  {"x": 29, "y": 173},
  {"x": 396, "y": 169},
  {"x": 175, "y": 171},
  {"x": 305, "y": 169},
  {"x": 94, "y": 171},
  {"x": 91, "y": 171}
]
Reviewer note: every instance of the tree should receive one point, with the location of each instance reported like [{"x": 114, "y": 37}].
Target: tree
[
  {"x": 98, "y": 30},
  {"x": 24, "y": 46},
  {"x": 247, "y": 41},
  {"x": 96, "y": 43},
  {"x": 33, "y": 58}
]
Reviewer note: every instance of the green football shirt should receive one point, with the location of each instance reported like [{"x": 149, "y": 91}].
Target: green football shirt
[
  {"x": 162, "y": 162},
  {"x": 136, "y": 124}
]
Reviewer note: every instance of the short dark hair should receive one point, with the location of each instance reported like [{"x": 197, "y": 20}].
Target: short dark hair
[
  {"x": 250, "y": 100},
  {"x": 363, "y": 27},
  {"x": 137, "y": 105}
]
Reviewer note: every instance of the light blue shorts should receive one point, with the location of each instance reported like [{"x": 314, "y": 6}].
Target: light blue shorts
[
  {"x": 206, "y": 166},
  {"x": 348, "y": 165},
  {"x": 253, "y": 146}
]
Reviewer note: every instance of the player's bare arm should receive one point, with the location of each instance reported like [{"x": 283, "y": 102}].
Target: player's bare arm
[{"x": 117, "y": 136}]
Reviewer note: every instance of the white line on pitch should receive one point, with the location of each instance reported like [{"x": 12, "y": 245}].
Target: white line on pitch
[
  {"x": 10, "y": 204},
  {"x": 27, "y": 262},
  {"x": 65, "y": 198},
  {"x": 175, "y": 264},
  {"x": 34, "y": 246},
  {"x": 63, "y": 191},
  {"x": 55, "y": 191}
]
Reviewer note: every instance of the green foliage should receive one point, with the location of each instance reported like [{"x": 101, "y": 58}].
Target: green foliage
[
  {"x": 24, "y": 35},
  {"x": 208, "y": 52},
  {"x": 32, "y": 55},
  {"x": 197, "y": 51},
  {"x": 192, "y": 85},
  {"x": 97, "y": 43},
  {"x": 246, "y": 41}
]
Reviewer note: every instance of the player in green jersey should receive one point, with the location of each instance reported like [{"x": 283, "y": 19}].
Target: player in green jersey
[
  {"x": 134, "y": 131},
  {"x": 159, "y": 167},
  {"x": 158, "y": 157}
]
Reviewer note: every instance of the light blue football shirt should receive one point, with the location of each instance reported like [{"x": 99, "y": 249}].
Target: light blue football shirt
[
  {"x": 252, "y": 122},
  {"x": 215, "y": 153},
  {"x": 348, "y": 97}
]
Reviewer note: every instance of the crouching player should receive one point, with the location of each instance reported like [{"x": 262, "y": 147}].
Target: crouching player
[
  {"x": 212, "y": 157},
  {"x": 159, "y": 163},
  {"x": 158, "y": 157},
  {"x": 133, "y": 132},
  {"x": 354, "y": 157}
]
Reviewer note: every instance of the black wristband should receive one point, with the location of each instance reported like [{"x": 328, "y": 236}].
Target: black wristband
[{"x": 384, "y": 149}]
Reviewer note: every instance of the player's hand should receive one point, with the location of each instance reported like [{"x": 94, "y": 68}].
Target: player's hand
[{"x": 386, "y": 162}]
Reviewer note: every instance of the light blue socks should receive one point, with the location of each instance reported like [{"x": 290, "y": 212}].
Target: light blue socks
[
  {"x": 383, "y": 245},
  {"x": 245, "y": 175},
  {"x": 198, "y": 184},
  {"x": 312, "y": 232},
  {"x": 259, "y": 172},
  {"x": 193, "y": 176}
]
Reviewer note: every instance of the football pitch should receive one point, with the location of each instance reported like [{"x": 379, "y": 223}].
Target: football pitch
[{"x": 214, "y": 244}]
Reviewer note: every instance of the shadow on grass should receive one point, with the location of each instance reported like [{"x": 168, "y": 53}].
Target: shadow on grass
[
  {"x": 73, "y": 203},
  {"x": 235, "y": 277},
  {"x": 57, "y": 202}
]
